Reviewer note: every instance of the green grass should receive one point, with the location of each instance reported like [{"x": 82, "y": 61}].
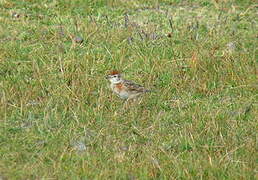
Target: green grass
[{"x": 199, "y": 123}]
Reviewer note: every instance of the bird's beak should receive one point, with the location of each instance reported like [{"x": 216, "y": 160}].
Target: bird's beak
[{"x": 107, "y": 76}]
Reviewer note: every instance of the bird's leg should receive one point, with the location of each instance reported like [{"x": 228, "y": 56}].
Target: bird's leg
[{"x": 126, "y": 103}]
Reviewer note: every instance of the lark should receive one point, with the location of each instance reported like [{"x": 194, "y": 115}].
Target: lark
[{"x": 125, "y": 89}]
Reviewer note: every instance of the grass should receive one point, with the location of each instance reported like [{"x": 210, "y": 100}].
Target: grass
[{"x": 58, "y": 118}]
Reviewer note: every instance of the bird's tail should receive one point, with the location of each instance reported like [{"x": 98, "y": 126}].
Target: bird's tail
[{"x": 148, "y": 90}]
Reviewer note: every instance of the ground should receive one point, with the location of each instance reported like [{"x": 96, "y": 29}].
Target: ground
[{"x": 59, "y": 119}]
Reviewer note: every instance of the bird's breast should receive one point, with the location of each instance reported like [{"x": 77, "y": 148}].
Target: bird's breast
[
  {"x": 120, "y": 87},
  {"x": 120, "y": 90}
]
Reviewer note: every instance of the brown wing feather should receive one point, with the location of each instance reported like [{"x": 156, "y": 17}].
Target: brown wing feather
[{"x": 134, "y": 87}]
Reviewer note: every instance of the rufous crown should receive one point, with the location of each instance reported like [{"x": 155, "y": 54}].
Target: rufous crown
[{"x": 114, "y": 72}]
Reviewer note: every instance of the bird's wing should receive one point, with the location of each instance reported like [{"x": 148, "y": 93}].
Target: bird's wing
[{"x": 134, "y": 87}]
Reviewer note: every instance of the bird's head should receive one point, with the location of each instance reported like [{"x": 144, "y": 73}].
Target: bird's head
[{"x": 114, "y": 77}]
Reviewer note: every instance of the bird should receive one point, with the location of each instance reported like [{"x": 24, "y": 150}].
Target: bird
[{"x": 125, "y": 89}]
